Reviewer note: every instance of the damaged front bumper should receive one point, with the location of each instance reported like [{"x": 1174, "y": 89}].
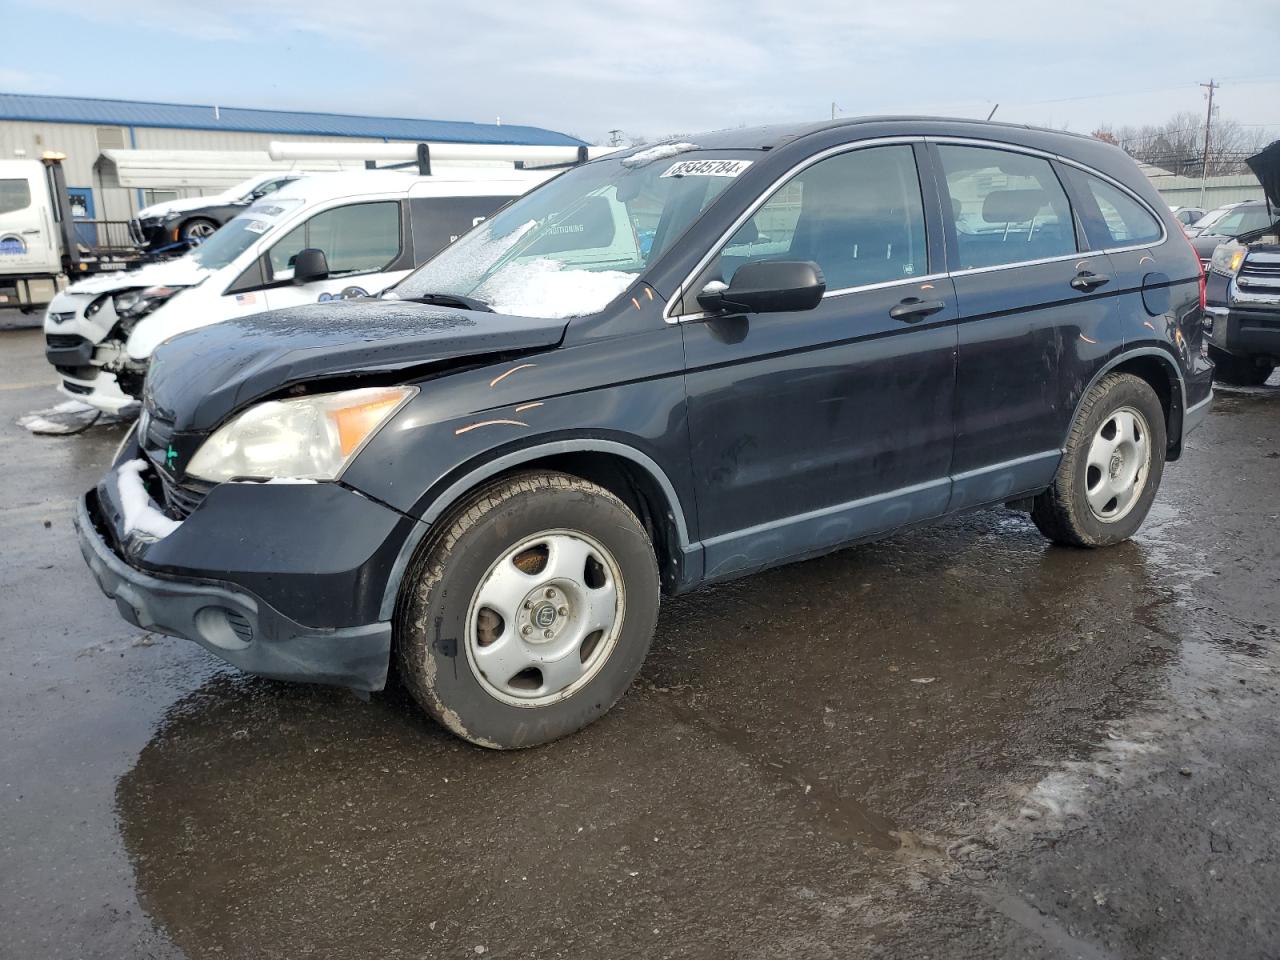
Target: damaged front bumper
[{"x": 251, "y": 613}]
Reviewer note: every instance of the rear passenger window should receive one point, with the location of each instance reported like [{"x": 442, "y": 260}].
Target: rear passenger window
[
  {"x": 1123, "y": 221},
  {"x": 857, "y": 215},
  {"x": 1008, "y": 207}
]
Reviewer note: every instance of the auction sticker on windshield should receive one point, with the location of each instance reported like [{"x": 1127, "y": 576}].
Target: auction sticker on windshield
[{"x": 706, "y": 168}]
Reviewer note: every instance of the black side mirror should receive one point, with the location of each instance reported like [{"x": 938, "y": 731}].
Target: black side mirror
[
  {"x": 767, "y": 286},
  {"x": 310, "y": 265}
]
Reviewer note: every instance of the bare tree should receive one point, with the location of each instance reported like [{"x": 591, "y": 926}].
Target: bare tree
[{"x": 1177, "y": 144}]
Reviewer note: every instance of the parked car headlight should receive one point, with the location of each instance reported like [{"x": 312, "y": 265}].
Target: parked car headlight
[
  {"x": 1227, "y": 258},
  {"x": 309, "y": 438},
  {"x": 133, "y": 304}
]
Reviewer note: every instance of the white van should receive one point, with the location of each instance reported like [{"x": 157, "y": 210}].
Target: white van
[{"x": 370, "y": 228}]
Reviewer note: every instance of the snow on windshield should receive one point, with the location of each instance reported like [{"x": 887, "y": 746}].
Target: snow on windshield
[
  {"x": 660, "y": 152},
  {"x": 546, "y": 288},
  {"x": 460, "y": 271}
]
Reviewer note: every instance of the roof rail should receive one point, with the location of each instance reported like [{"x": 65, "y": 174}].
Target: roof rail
[{"x": 424, "y": 153}]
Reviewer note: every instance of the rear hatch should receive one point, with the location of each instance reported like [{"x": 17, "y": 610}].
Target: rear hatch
[
  {"x": 1258, "y": 280},
  {"x": 1266, "y": 167}
]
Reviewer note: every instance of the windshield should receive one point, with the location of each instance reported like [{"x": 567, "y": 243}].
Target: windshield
[
  {"x": 1241, "y": 220},
  {"x": 1212, "y": 217},
  {"x": 572, "y": 246},
  {"x": 240, "y": 234}
]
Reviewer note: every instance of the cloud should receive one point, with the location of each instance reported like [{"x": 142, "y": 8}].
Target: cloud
[{"x": 664, "y": 66}]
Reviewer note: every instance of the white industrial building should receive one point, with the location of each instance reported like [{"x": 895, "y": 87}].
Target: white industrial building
[{"x": 123, "y": 155}]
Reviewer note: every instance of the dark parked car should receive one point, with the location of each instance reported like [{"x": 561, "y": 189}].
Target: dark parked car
[
  {"x": 1244, "y": 290},
  {"x": 833, "y": 332},
  {"x": 176, "y": 227},
  {"x": 1244, "y": 217},
  {"x": 1187, "y": 215}
]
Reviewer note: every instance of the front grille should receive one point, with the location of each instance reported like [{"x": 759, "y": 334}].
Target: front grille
[
  {"x": 180, "y": 499},
  {"x": 156, "y": 437},
  {"x": 65, "y": 317},
  {"x": 1255, "y": 272},
  {"x": 64, "y": 341}
]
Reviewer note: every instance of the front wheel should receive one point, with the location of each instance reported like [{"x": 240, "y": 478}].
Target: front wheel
[
  {"x": 1110, "y": 469},
  {"x": 531, "y": 611},
  {"x": 198, "y": 229},
  {"x": 1238, "y": 371}
]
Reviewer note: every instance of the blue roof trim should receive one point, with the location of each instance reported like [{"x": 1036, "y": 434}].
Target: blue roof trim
[{"x": 182, "y": 116}]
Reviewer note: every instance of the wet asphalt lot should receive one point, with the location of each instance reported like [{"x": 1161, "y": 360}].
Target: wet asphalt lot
[{"x": 959, "y": 742}]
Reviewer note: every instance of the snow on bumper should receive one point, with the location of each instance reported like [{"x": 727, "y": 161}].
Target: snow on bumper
[{"x": 243, "y": 571}]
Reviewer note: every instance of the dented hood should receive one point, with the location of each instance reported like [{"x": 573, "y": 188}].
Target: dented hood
[
  {"x": 197, "y": 380},
  {"x": 1266, "y": 167}
]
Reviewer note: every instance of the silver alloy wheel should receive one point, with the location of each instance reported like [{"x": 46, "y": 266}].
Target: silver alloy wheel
[
  {"x": 201, "y": 230},
  {"x": 545, "y": 618},
  {"x": 1118, "y": 465}
]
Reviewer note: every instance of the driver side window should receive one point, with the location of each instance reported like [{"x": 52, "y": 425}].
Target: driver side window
[
  {"x": 357, "y": 238},
  {"x": 858, "y": 215}
]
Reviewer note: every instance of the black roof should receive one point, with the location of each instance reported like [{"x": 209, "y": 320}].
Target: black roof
[{"x": 775, "y": 135}]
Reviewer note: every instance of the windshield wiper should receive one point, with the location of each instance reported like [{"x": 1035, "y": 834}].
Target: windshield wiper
[{"x": 451, "y": 300}]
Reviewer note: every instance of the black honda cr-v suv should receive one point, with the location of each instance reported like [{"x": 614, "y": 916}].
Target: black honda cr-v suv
[{"x": 662, "y": 369}]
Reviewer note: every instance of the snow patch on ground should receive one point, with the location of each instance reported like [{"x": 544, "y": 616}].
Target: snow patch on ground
[
  {"x": 140, "y": 514},
  {"x": 1064, "y": 794},
  {"x": 660, "y": 152},
  {"x": 70, "y": 416},
  {"x": 545, "y": 288}
]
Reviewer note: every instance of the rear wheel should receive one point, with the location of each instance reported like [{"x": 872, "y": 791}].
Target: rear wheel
[
  {"x": 1239, "y": 371},
  {"x": 529, "y": 614},
  {"x": 1110, "y": 469}
]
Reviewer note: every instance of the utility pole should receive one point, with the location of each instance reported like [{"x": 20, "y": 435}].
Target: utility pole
[
  {"x": 615, "y": 137},
  {"x": 834, "y": 107},
  {"x": 1208, "y": 124}
]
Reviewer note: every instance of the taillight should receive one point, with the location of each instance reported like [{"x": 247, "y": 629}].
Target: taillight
[{"x": 1200, "y": 266}]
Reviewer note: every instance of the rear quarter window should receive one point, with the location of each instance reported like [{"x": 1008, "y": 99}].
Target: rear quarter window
[
  {"x": 1120, "y": 221},
  {"x": 439, "y": 221}
]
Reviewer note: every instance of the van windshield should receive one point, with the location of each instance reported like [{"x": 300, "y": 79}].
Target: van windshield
[
  {"x": 572, "y": 246},
  {"x": 244, "y": 231}
]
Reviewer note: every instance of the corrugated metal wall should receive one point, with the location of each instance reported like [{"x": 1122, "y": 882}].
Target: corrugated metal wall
[
  {"x": 83, "y": 143},
  {"x": 1186, "y": 191}
]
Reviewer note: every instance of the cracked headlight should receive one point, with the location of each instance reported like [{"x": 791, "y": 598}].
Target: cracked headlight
[
  {"x": 134, "y": 304},
  {"x": 309, "y": 438}
]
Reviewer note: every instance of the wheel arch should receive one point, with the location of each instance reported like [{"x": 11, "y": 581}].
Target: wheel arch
[
  {"x": 630, "y": 474},
  {"x": 1159, "y": 369}
]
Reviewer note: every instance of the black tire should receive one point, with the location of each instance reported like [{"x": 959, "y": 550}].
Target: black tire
[
  {"x": 1238, "y": 371},
  {"x": 436, "y": 595},
  {"x": 198, "y": 229},
  {"x": 1062, "y": 512}
]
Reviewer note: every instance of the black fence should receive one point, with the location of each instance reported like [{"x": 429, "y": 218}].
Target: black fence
[{"x": 104, "y": 236}]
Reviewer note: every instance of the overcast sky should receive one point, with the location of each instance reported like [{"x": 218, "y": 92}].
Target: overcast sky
[{"x": 658, "y": 67}]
